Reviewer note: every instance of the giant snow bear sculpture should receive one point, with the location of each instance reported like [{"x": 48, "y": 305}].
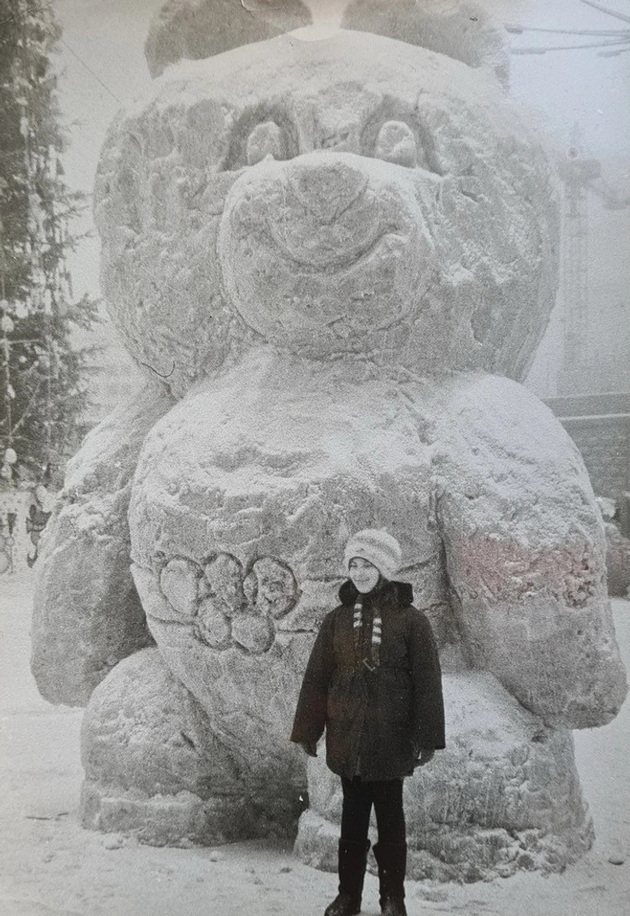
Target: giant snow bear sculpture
[{"x": 336, "y": 258}]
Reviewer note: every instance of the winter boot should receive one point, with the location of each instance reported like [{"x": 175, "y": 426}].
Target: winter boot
[
  {"x": 352, "y": 862},
  {"x": 392, "y": 864},
  {"x": 394, "y": 906}
]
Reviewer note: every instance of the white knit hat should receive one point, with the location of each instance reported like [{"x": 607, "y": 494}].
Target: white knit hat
[{"x": 377, "y": 547}]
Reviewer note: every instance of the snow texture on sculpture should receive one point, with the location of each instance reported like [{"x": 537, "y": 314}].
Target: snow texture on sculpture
[
  {"x": 88, "y": 614},
  {"x": 463, "y": 31},
  {"x": 340, "y": 257},
  {"x": 194, "y": 29}
]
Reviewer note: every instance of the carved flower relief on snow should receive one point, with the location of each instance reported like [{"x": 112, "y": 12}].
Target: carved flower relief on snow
[{"x": 228, "y": 606}]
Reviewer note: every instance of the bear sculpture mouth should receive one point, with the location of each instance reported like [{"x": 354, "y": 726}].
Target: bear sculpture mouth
[{"x": 322, "y": 256}]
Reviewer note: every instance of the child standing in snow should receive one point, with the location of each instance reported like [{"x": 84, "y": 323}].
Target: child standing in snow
[{"x": 373, "y": 681}]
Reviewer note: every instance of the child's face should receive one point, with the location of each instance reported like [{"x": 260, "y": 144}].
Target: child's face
[{"x": 364, "y": 574}]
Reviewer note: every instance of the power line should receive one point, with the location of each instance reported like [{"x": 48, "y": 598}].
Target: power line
[
  {"x": 618, "y": 44},
  {"x": 617, "y": 40},
  {"x": 604, "y": 9},
  {"x": 49, "y": 8},
  {"x": 604, "y": 33},
  {"x": 89, "y": 70}
]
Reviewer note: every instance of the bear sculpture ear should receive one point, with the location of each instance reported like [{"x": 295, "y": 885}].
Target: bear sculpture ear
[
  {"x": 196, "y": 29},
  {"x": 456, "y": 28}
]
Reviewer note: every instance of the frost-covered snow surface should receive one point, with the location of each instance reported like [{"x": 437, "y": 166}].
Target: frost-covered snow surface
[
  {"x": 50, "y": 866},
  {"x": 199, "y": 28},
  {"x": 339, "y": 255}
]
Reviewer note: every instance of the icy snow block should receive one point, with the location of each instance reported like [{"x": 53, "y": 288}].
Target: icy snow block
[
  {"x": 156, "y": 769},
  {"x": 87, "y": 614},
  {"x": 193, "y": 29},
  {"x": 505, "y": 795}
]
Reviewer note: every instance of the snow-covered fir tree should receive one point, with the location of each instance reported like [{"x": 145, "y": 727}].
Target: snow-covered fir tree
[{"x": 43, "y": 393}]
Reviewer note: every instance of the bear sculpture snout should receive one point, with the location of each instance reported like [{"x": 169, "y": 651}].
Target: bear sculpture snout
[
  {"x": 326, "y": 185},
  {"x": 317, "y": 249}
]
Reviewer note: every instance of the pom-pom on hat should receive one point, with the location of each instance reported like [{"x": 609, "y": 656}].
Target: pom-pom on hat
[{"x": 377, "y": 547}]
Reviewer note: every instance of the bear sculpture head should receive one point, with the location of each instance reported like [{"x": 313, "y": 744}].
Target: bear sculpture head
[{"x": 353, "y": 197}]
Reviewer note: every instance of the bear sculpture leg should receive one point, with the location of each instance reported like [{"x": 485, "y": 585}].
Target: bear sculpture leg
[
  {"x": 154, "y": 768},
  {"x": 505, "y": 796}
]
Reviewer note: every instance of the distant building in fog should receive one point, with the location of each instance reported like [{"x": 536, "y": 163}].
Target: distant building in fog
[{"x": 587, "y": 346}]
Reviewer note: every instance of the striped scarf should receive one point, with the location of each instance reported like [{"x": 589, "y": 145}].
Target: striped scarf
[{"x": 373, "y": 660}]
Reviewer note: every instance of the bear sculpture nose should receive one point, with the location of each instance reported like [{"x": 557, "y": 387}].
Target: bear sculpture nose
[{"x": 326, "y": 188}]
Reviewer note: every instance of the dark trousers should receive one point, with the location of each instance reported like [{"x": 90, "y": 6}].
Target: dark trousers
[{"x": 387, "y": 798}]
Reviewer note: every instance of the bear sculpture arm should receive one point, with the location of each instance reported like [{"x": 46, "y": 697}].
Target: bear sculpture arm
[
  {"x": 87, "y": 615},
  {"x": 525, "y": 554}
]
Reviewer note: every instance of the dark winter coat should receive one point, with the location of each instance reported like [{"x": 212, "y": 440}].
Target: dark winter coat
[{"x": 376, "y": 720}]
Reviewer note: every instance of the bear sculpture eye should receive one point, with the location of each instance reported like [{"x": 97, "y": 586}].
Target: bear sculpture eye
[
  {"x": 396, "y": 143},
  {"x": 260, "y": 132},
  {"x": 265, "y": 140}
]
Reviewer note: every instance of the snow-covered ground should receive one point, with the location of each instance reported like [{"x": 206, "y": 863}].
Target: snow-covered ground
[{"x": 49, "y": 866}]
